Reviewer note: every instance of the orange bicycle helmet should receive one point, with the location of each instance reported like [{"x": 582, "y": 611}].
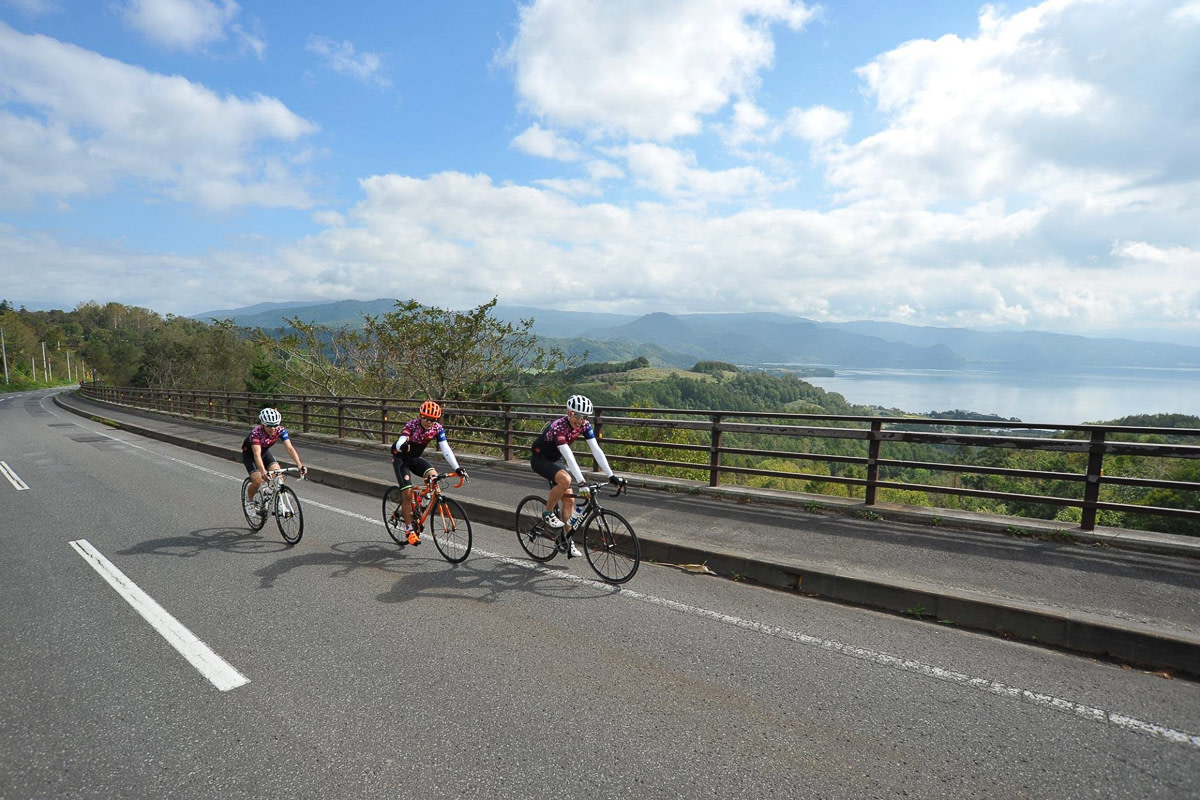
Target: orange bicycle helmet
[{"x": 431, "y": 409}]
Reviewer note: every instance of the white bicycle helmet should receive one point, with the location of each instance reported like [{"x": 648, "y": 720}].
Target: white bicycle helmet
[
  {"x": 270, "y": 416},
  {"x": 580, "y": 405}
]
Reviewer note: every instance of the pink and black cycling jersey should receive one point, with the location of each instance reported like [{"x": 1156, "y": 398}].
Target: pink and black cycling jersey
[
  {"x": 264, "y": 438},
  {"x": 418, "y": 439},
  {"x": 559, "y": 432}
]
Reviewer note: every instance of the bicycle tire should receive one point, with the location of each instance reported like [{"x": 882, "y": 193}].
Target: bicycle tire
[
  {"x": 536, "y": 539},
  {"x": 288, "y": 515},
  {"x": 393, "y": 515},
  {"x": 451, "y": 530},
  {"x": 611, "y": 547},
  {"x": 255, "y": 522}
]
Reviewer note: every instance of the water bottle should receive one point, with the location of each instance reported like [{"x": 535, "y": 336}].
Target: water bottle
[{"x": 576, "y": 518}]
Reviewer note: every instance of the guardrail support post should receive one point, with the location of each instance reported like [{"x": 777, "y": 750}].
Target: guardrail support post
[
  {"x": 508, "y": 433},
  {"x": 1091, "y": 489},
  {"x": 383, "y": 420},
  {"x": 597, "y": 426},
  {"x": 873, "y": 462},
  {"x": 341, "y": 421},
  {"x": 714, "y": 451}
]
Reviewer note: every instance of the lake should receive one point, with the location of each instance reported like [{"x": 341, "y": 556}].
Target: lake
[{"x": 1066, "y": 398}]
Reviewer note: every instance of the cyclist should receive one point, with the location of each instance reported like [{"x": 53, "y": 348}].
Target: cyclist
[
  {"x": 408, "y": 463},
  {"x": 553, "y": 459},
  {"x": 256, "y": 452}
]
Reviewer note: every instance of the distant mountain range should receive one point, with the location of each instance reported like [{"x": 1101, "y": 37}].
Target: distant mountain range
[{"x": 771, "y": 339}]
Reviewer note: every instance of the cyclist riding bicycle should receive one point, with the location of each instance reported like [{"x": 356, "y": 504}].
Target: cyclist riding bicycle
[
  {"x": 256, "y": 451},
  {"x": 408, "y": 463},
  {"x": 552, "y": 448}
]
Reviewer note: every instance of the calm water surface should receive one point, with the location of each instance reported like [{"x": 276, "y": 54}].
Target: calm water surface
[{"x": 1066, "y": 398}]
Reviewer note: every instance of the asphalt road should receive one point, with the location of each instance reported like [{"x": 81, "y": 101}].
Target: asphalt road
[{"x": 365, "y": 670}]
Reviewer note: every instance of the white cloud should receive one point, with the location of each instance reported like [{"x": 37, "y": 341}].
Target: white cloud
[
  {"x": 601, "y": 170},
  {"x": 1187, "y": 13},
  {"x": 818, "y": 124},
  {"x": 645, "y": 70},
  {"x": 180, "y": 24},
  {"x": 674, "y": 173},
  {"x": 76, "y": 123},
  {"x": 342, "y": 58},
  {"x": 537, "y": 141},
  {"x": 1055, "y": 102},
  {"x": 750, "y": 125}
]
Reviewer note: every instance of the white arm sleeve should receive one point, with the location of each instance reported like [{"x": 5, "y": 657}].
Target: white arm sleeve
[
  {"x": 598, "y": 454},
  {"x": 400, "y": 442},
  {"x": 572, "y": 464},
  {"x": 448, "y": 454}
]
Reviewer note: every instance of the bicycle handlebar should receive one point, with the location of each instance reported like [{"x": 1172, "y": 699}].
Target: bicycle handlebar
[
  {"x": 461, "y": 479},
  {"x": 286, "y": 471},
  {"x": 597, "y": 486}
]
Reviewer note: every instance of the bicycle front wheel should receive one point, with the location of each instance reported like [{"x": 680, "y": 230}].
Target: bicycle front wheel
[
  {"x": 451, "y": 530},
  {"x": 393, "y": 515},
  {"x": 288, "y": 515},
  {"x": 536, "y": 539},
  {"x": 255, "y": 521},
  {"x": 611, "y": 547}
]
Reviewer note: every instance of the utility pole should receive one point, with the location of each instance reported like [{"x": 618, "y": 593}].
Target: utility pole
[
  {"x": 4, "y": 352},
  {"x": 45, "y": 372}
]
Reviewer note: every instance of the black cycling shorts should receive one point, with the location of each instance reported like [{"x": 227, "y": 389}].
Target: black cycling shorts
[
  {"x": 546, "y": 468},
  {"x": 410, "y": 470},
  {"x": 248, "y": 460}
]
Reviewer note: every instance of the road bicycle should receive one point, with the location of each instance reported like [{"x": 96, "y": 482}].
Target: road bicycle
[
  {"x": 277, "y": 500},
  {"x": 447, "y": 519},
  {"x": 609, "y": 543}
]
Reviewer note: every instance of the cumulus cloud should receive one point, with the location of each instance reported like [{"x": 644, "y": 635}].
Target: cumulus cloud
[
  {"x": 674, "y": 173},
  {"x": 818, "y": 124},
  {"x": 1058, "y": 101},
  {"x": 188, "y": 24},
  {"x": 75, "y": 123},
  {"x": 537, "y": 141},
  {"x": 643, "y": 70},
  {"x": 342, "y": 58}
]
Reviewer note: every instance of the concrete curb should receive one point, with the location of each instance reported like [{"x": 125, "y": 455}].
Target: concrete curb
[{"x": 1134, "y": 643}]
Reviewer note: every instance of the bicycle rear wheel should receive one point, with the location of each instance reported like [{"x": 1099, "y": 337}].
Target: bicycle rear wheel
[
  {"x": 451, "y": 529},
  {"x": 393, "y": 515},
  {"x": 611, "y": 547},
  {"x": 536, "y": 539},
  {"x": 288, "y": 515},
  {"x": 255, "y": 521}
]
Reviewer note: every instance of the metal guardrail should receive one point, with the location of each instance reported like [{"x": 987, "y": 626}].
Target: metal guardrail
[{"x": 726, "y": 444}]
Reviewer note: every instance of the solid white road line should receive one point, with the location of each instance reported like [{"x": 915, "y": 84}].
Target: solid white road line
[
  {"x": 201, "y": 656},
  {"x": 13, "y": 477}
]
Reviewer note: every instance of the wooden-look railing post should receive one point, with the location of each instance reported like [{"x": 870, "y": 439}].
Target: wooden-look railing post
[
  {"x": 509, "y": 429},
  {"x": 714, "y": 451},
  {"x": 873, "y": 462},
  {"x": 1091, "y": 487},
  {"x": 598, "y": 425}
]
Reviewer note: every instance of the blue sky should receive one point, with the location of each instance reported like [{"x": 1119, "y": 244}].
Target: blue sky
[{"x": 1025, "y": 165}]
